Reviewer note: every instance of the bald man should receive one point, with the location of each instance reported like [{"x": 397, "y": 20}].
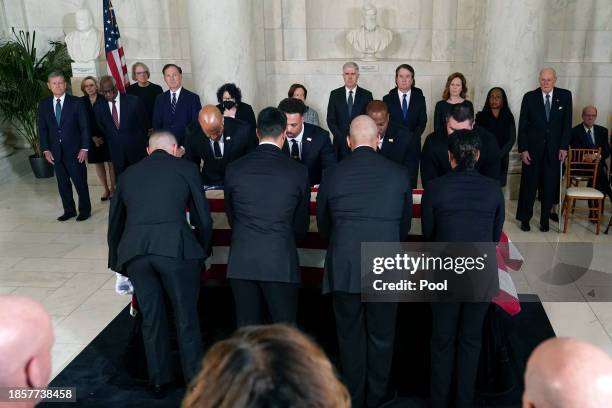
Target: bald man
[
  {"x": 544, "y": 132},
  {"x": 364, "y": 198},
  {"x": 151, "y": 242},
  {"x": 395, "y": 141},
  {"x": 566, "y": 372},
  {"x": 588, "y": 135},
  {"x": 213, "y": 141},
  {"x": 26, "y": 338}
]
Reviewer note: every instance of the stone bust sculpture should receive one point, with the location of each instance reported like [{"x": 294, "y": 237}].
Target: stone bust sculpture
[
  {"x": 370, "y": 38},
  {"x": 84, "y": 43}
]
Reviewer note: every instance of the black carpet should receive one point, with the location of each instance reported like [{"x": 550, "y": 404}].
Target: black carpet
[{"x": 101, "y": 379}]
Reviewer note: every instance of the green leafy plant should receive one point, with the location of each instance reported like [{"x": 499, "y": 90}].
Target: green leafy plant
[{"x": 23, "y": 81}]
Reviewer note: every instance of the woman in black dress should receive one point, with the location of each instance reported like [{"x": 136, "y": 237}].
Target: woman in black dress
[
  {"x": 98, "y": 155},
  {"x": 497, "y": 118},
  {"x": 144, "y": 89},
  {"x": 230, "y": 104},
  {"x": 455, "y": 92}
]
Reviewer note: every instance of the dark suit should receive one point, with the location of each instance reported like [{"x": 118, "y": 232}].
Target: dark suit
[
  {"x": 266, "y": 202},
  {"x": 150, "y": 241},
  {"x": 403, "y": 147},
  {"x": 434, "y": 158},
  {"x": 338, "y": 118},
  {"x": 364, "y": 198},
  {"x": 543, "y": 139},
  {"x": 316, "y": 153},
  {"x": 416, "y": 120},
  {"x": 580, "y": 140},
  {"x": 64, "y": 141},
  {"x": 128, "y": 143},
  {"x": 237, "y": 142},
  {"x": 187, "y": 108},
  {"x": 461, "y": 206}
]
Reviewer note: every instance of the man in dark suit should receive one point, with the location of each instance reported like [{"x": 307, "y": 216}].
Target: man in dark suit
[
  {"x": 151, "y": 242},
  {"x": 346, "y": 103},
  {"x": 395, "y": 141},
  {"x": 407, "y": 104},
  {"x": 460, "y": 206},
  {"x": 177, "y": 107},
  {"x": 544, "y": 134},
  {"x": 266, "y": 201},
  {"x": 306, "y": 143},
  {"x": 434, "y": 158},
  {"x": 588, "y": 135},
  {"x": 64, "y": 140},
  {"x": 123, "y": 119},
  {"x": 364, "y": 198},
  {"x": 214, "y": 141}
]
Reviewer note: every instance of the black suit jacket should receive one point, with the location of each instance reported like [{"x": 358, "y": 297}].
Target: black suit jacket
[
  {"x": 434, "y": 158},
  {"x": 237, "y": 142},
  {"x": 73, "y": 129},
  {"x": 187, "y": 108},
  {"x": 317, "y": 152},
  {"x": 417, "y": 111},
  {"x": 266, "y": 201},
  {"x": 365, "y": 198},
  {"x": 147, "y": 214},
  {"x": 127, "y": 144},
  {"x": 580, "y": 140},
  {"x": 400, "y": 145},
  {"x": 462, "y": 206},
  {"x": 338, "y": 119},
  {"x": 537, "y": 135}
]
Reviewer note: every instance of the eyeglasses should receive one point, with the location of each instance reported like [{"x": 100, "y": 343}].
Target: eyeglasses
[{"x": 141, "y": 73}]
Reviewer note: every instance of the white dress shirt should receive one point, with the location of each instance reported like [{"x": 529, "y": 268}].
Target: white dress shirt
[
  {"x": 117, "y": 104},
  {"x": 298, "y": 140},
  {"x": 177, "y": 92},
  {"x": 401, "y": 94},
  {"x": 346, "y": 92},
  {"x": 221, "y": 145},
  {"x": 61, "y": 102},
  {"x": 551, "y": 97},
  {"x": 586, "y": 130}
]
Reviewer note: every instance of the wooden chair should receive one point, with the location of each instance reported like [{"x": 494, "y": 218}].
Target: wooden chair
[{"x": 582, "y": 165}]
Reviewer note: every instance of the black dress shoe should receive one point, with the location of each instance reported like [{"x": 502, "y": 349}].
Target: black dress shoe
[
  {"x": 525, "y": 226},
  {"x": 66, "y": 216},
  {"x": 544, "y": 228},
  {"x": 158, "y": 391},
  {"x": 554, "y": 217},
  {"x": 83, "y": 217}
]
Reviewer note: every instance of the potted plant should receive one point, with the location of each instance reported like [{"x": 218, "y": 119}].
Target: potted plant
[{"x": 23, "y": 83}]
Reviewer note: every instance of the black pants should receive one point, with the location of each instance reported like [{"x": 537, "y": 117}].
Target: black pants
[
  {"x": 366, "y": 332},
  {"x": 456, "y": 334},
  {"x": 543, "y": 173},
  {"x": 69, "y": 169},
  {"x": 253, "y": 298},
  {"x": 151, "y": 276}
]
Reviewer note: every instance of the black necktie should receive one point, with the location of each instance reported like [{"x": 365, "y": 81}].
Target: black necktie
[
  {"x": 547, "y": 107},
  {"x": 350, "y": 103},
  {"x": 58, "y": 110},
  {"x": 405, "y": 107},
  {"x": 217, "y": 150},
  {"x": 591, "y": 138},
  {"x": 295, "y": 150},
  {"x": 173, "y": 103}
]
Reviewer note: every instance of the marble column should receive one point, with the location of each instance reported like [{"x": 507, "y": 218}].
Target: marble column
[
  {"x": 510, "y": 49},
  {"x": 222, "y": 35}
]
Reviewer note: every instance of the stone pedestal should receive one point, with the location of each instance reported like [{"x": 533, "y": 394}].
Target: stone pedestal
[
  {"x": 222, "y": 38},
  {"x": 81, "y": 70}
]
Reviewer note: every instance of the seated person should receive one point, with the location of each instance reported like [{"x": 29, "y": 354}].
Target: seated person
[{"x": 213, "y": 141}]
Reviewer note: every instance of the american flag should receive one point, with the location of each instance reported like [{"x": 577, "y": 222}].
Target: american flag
[{"x": 115, "y": 59}]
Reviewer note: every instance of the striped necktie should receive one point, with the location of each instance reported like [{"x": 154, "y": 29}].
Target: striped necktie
[{"x": 173, "y": 103}]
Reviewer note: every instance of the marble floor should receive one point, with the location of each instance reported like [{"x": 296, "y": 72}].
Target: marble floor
[{"x": 63, "y": 265}]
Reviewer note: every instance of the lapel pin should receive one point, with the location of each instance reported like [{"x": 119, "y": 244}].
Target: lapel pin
[
  {"x": 390, "y": 140},
  {"x": 560, "y": 107},
  {"x": 308, "y": 139},
  {"x": 227, "y": 138}
]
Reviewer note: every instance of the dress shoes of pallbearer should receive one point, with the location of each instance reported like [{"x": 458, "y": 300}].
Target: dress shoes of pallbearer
[
  {"x": 554, "y": 217},
  {"x": 525, "y": 226},
  {"x": 83, "y": 217},
  {"x": 66, "y": 216},
  {"x": 544, "y": 228}
]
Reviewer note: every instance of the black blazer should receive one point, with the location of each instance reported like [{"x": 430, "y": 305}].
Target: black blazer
[
  {"x": 400, "y": 145},
  {"x": 237, "y": 142},
  {"x": 73, "y": 129},
  {"x": 462, "y": 206},
  {"x": 187, "y": 108},
  {"x": 244, "y": 112},
  {"x": 365, "y": 198},
  {"x": 535, "y": 133},
  {"x": 338, "y": 119},
  {"x": 417, "y": 111},
  {"x": 434, "y": 158},
  {"x": 440, "y": 111},
  {"x": 317, "y": 152},
  {"x": 266, "y": 201},
  {"x": 147, "y": 213},
  {"x": 128, "y": 143}
]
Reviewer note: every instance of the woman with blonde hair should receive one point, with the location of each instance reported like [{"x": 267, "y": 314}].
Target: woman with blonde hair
[
  {"x": 455, "y": 91},
  {"x": 266, "y": 366}
]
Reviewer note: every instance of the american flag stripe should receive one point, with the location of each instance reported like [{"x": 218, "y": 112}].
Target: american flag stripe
[{"x": 115, "y": 57}]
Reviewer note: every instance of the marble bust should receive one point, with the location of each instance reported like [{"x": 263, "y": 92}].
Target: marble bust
[
  {"x": 84, "y": 43},
  {"x": 370, "y": 38}
]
